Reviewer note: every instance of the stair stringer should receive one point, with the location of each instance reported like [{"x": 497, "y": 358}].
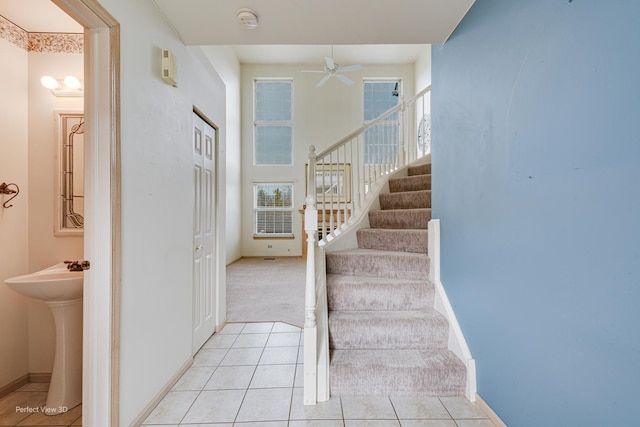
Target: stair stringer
[
  {"x": 322, "y": 324},
  {"x": 457, "y": 343}
]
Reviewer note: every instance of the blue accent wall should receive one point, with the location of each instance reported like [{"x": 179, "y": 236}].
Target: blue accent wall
[{"x": 536, "y": 180}]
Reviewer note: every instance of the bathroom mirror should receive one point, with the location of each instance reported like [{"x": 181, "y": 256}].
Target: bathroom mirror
[{"x": 69, "y": 218}]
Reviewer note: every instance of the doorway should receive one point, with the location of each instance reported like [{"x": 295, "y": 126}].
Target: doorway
[{"x": 102, "y": 211}]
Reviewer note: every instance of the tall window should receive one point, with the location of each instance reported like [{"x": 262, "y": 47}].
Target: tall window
[
  {"x": 273, "y": 122},
  {"x": 381, "y": 140},
  {"x": 273, "y": 207}
]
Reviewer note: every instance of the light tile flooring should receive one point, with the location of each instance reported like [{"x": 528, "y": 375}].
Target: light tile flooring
[
  {"x": 23, "y": 408},
  {"x": 250, "y": 374}
]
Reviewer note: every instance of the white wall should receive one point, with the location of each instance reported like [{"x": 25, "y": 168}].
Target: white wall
[
  {"x": 227, "y": 65},
  {"x": 46, "y": 249},
  {"x": 157, "y": 200},
  {"x": 321, "y": 117},
  {"x": 14, "y": 333},
  {"x": 423, "y": 69}
]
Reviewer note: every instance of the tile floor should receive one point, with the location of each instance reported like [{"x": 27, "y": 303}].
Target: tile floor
[
  {"x": 250, "y": 374},
  {"x": 15, "y": 407}
]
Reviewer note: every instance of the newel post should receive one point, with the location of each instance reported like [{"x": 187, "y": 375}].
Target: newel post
[{"x": 310, "y": 326}]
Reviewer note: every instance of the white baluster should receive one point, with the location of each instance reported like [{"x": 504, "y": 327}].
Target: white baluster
[
  {"x": 310, "y": 327},
  {"x": 401, "y": 149}
]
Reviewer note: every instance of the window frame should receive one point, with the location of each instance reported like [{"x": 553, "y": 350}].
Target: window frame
[
  {"x": 385, "y": 123},
  {"x": 257, "y": 209},
  {"x": 274, "y": 123}
]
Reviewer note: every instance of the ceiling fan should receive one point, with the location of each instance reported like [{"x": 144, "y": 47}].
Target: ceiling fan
[{"x": 333, "y": 69}]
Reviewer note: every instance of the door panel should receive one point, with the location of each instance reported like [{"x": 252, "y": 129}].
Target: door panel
[{"x": 204, "y": 213}]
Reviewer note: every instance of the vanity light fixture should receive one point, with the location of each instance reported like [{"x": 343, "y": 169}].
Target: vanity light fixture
[
  {"x": 69, "y": 86},
  {"x": 72, "y": 82}
]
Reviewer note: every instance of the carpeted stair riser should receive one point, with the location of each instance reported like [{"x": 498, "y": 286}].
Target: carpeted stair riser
[
  {"x": 424, "y": 169},
  {"x": 396, "y": 373},
  {"x": 410, "y": 183},
  {"x": 368, "y": 262},
  {"x": 406, "y": 200},
  {"x": 387, "y": 239},
  {"x": 387, "y": 330},
  {"x": 356, "y": 293},
  {"x": 400, "y": 218},
  {"x": 386, "y": 338}
]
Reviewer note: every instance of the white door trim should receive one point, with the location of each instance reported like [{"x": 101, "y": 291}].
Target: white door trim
[{"x": 101, "y": 319}]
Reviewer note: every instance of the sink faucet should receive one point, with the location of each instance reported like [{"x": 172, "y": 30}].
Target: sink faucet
[{"x": 77, "y": 265}]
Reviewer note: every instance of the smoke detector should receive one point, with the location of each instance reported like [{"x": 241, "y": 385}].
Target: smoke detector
[{"x": 248, "y": 19}]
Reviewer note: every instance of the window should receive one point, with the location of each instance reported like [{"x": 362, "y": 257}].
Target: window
[
  {"x": 381, "y": 141},
  {"x": 273, "y": 144},
  {"x": 273, "y": 207}
]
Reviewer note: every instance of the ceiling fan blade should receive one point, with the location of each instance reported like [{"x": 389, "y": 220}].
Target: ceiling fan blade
[
  {"x": 324, "y": 80},
  {"x": 330, "y": 64},
  {"x": 344, "y": 79},
  {"x": 313, "y": 71},
  {"x": 350, "y": 68}
]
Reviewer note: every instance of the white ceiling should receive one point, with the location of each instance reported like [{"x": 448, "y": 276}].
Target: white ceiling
[
  {"x": 289, "y": 31},
  {"x": 311, "y": 22}
]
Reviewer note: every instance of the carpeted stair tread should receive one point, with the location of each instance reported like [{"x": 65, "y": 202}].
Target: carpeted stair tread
[
  {"x": 406, "y": 200},
  {"x": 400, "y": 218},
  {"x": 423, "y": 169},
  {"x": 434, "y": 372},
  {"x": 385, "y": 336},
  {"x": 410, "y": 183},
  {"x": 376, "y": 263},
  {"x": 346, "y": 292},
  {"x": 418, "y": 329},
  {"x": 388, "y": 239}
]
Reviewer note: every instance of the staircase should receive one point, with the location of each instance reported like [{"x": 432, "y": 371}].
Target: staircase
[{"x": 385, "y": 337}]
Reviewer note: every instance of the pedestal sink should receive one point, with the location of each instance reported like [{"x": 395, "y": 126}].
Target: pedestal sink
[{"x": 61, "y": 290}]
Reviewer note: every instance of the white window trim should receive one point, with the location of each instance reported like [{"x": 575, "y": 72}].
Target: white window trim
[
  {"x": 257, "y": 209},
  {"x": 257, "y": 123}
]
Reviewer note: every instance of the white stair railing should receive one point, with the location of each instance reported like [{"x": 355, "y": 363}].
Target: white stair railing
[{"x": 340, "y": 183}]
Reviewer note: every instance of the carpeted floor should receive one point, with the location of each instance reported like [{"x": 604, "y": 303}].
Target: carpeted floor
[{"x": 266, "y": 290}]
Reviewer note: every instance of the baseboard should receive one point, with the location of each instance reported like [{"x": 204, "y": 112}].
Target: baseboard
[
  {"x": 271, "y": 257},
  {"x": 484, "y": 407},
  {"x": 264, "y": 256},
  {"x": 161, "y": 394},
  {"x": 219, "y": 327},
  {"x": 457, "y": 343},
  {"x": 40, "y": 377},
  {"x": 14, "y": 385}
]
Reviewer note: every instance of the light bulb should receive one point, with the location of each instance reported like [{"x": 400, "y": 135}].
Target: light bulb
[
  {"x": 49, "y": 82},
  {"x": 72, "y": 82}
]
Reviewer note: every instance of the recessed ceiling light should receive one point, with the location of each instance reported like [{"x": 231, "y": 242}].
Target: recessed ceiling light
[{"x": 248, "y": 19}]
